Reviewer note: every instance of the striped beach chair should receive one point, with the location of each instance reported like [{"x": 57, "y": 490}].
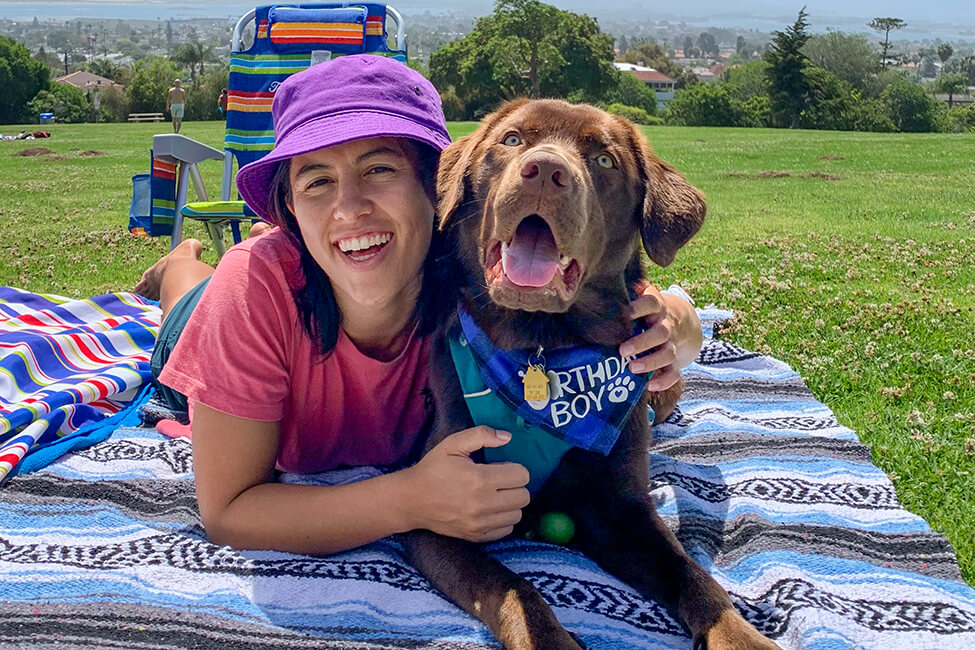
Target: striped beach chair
[
  {"x": 153, "y": 206},
  {"x": 269, "y": 44}
]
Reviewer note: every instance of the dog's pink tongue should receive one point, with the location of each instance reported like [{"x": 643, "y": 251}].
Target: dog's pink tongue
[{"x": 532, "y": 257}]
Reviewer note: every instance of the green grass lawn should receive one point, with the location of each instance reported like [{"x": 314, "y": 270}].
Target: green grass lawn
[{"x": 853, "y": 263}]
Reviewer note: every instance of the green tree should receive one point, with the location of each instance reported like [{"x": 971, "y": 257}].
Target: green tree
[
  {"x": 194, "y": 55},
  {"x": 944, "y": 53},
  {"x": 130, "y": 48},
  {"x": 66, "y": 43},
  {"x": 465, "y": 66},
  {"x": 151, "y": 80},
  {"x": 202, "y": 99},
  {"x": 525, "y": 48},
  {"x": 21, "y": 77},
  {"x": 951, "y": 83},
  {"x": 68, "y": 103},
  {"x": 527, "y": 23},
  {"x": 105, "y": 68},
  {"x": 633, "y": 114},
  {"x": 707, "y": 44},
  {"x": 588, "y": 56},
  {"x": 848, "y": 56},
  {"x": 885, "y": 25},
  {"x": 115, "y": 105},
  {"x": 747, "y": 81},
  {"x": 49, "y": 59},
  {"x": 910, "y": 108},
  {"x": 630, "y": 91},
  {"x": 703, "y": 105},
  {"x": 788, "y": 88}
]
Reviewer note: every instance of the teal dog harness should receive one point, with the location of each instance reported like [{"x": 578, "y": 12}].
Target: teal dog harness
[
  {"x": 591, "y": 394},
  {"x": 539, "y": 451}
]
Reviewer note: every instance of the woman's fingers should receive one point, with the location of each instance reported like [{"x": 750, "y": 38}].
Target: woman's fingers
[{"x": 663, "y": 379}]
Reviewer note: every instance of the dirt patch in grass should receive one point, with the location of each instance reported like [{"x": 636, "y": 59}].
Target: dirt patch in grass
[
  {"x": 828, "y": 177},
  {"x": 33, "y": 151},
  {"x": 776, "y": 174},
  {"x": 90, "y": 153},
  {"x": 832, "y": 158},
  {"x": 54, "y": 158}
]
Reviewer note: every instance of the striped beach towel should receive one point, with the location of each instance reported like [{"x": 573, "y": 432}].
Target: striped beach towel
[
  {"x": 763, "y": 486},
  {"x": 67, "y": 363}
]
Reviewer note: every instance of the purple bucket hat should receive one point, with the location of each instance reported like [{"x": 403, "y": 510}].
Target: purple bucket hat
[{"x": 345, "y": 99}]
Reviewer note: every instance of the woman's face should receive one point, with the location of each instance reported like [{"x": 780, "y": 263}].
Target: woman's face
[{"x": 365, "y": 218}]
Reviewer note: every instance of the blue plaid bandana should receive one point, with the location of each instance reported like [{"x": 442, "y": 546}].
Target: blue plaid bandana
[{"x": 591, "y": 389}]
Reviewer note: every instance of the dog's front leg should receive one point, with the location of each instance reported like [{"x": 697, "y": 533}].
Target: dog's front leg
[
  {"x": 513, "y": 610},
  {"x": 623, "y": 532},
  {"x": 463, "y": 572},
  {"x": 633, "y": 543}
]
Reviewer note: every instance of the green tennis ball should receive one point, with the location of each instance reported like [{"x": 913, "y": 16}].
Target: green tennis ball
[{"x": 556, "y": 528}]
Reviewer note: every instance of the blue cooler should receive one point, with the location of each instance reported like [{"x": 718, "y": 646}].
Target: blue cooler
[{"x": 47, "y": 118}]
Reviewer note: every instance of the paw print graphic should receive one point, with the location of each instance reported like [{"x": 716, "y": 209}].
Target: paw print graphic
[{"x": 620, "y": 389}]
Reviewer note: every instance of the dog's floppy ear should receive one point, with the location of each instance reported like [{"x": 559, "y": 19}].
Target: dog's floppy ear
[
  {"x": 454, "y": 169},
  {"x": 673, "y": 209}
]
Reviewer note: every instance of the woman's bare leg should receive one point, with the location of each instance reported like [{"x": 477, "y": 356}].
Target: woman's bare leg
[{"x": 174, "y": 275}]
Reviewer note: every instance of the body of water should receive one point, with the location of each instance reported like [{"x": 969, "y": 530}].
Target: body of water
[{"x": 14, "y": 10}]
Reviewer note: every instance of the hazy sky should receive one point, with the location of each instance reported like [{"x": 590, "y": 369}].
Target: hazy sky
[{"x": 957, "y": 16}]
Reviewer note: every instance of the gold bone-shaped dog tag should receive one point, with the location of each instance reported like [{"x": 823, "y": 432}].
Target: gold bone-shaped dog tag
[{"x": 536, "y": 384}]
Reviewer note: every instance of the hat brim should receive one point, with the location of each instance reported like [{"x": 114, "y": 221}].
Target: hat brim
[{"x": 254, "y": 179}]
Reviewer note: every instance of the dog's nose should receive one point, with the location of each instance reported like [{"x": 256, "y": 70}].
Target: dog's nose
[{"x": 543, "y": 166}]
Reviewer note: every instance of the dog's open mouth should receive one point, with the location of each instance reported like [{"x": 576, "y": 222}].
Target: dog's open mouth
[{"x": 531, "y": 260}]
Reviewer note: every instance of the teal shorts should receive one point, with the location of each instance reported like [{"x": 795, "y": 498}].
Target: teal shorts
[{"x": 169, "y": 334}]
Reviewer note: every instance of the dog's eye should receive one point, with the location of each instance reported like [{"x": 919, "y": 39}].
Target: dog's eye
[
  {"x": 511, "y": 140},
  {"x": 605, "y": 160}
]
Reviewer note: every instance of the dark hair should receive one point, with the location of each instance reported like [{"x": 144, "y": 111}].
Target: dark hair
[{"x": 315, "y": 299}]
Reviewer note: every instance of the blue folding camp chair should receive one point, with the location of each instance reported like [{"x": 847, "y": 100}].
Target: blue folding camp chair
[{"x": 268, "y": 45}]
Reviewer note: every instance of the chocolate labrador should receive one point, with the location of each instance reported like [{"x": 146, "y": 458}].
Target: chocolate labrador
[{"x": 544, "y": 208}]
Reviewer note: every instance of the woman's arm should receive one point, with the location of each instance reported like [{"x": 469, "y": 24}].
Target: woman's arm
[{"x": 446, "y": 491}]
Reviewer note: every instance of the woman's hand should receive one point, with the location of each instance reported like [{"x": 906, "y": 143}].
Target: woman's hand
[
  {"x": 672, "y": 336},
  {"x": 450, "y": 494}
]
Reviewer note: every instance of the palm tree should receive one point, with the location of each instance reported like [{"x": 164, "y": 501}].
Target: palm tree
[
  {"x": 955, "y": 83},
  {"x": 194, "y": 55},
  {"x": 944, "y": 53}
]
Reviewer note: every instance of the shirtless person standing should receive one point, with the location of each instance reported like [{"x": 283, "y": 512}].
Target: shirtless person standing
[{"x": 175, "y": 101}]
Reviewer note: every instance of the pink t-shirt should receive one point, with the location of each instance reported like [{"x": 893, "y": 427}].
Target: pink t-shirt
[{"x": 245, "y": 352}]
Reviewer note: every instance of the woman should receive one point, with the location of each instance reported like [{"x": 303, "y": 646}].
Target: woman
[{"x": 307, "y": 349}]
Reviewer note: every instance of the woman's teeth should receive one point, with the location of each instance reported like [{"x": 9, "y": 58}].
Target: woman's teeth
[{"x": 362, "y": 243}]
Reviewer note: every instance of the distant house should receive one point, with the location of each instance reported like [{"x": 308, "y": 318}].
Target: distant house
[
  {"x": 89, "y": 83},
  {"x": 661, "y": 83},
  {"x": 705, "y": 75}
]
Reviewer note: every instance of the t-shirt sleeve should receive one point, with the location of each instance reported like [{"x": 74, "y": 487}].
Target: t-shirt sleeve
[
  {"x": 677, "y": 290},
  {"x": 233, "y": 353}
]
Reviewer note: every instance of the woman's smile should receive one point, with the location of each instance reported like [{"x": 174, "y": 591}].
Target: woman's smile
[{"x": 364, "y": 248}]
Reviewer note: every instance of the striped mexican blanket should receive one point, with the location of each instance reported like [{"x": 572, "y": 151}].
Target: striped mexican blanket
[
  {"x": 781, "y": 503},
  {"x": 65, "y": 364}
]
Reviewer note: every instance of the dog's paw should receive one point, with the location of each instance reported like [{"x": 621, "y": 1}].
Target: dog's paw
[
  {"x": 620, "y": 389},
  {"x": 732, "y": 632}
]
